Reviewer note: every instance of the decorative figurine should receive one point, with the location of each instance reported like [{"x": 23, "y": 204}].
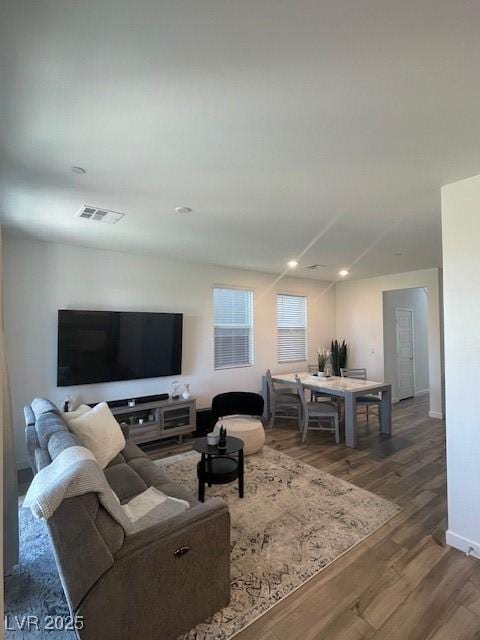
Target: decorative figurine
[
  {"x": 222, "y": 440},
  {"x": 67, "y": 404}
]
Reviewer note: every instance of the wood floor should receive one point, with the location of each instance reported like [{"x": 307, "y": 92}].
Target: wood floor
[{"x": 401, "y": 583}]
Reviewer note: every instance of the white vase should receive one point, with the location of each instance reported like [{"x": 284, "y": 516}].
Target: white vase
[
  {"x": 186, "y": 392},
  {"x": 212, "y": 438}
]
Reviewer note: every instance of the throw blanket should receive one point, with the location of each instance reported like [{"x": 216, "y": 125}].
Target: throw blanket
[{"x": 74, "y": 472}]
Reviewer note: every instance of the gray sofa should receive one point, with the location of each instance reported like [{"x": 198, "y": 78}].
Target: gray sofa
[{"x": 157, "y": 583}]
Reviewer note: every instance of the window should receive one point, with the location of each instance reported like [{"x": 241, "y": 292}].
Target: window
[
  {"x": 291, "y": 328},
  {"x": 233, "y": 323}
]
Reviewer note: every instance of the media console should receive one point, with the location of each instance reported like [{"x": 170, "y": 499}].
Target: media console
[{"x": 157, "y": 419}]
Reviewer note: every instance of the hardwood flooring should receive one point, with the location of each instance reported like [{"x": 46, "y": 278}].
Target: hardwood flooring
[{"x": 401, "y": 583}]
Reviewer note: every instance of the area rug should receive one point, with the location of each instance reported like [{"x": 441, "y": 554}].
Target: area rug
[
  {"x": 33, "y": 588},
  {"x": 293, "y": 522}
]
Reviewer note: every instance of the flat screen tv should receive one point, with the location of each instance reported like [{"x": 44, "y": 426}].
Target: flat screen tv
[{"x": 106, "y": 346}]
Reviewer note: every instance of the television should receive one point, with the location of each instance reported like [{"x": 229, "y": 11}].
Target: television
[{"x": 107, "y": 346}]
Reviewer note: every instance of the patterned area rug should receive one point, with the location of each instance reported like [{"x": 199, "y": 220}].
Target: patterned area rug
[
  {"x": 293, "y": 522},
  {"x": 34, "y": 588}
]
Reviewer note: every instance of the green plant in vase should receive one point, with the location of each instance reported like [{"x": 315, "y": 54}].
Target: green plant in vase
[
  {"x": 338, "y": 353},
  {"x": 322, "y": 358}
]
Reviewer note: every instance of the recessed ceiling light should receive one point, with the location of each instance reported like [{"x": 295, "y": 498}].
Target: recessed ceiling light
[
  {"x": 292, "y": 264},
  {"x": 183, "y": 209},
  {"x": 79, "y": 170},
  {"x": 343, "y": 273}
]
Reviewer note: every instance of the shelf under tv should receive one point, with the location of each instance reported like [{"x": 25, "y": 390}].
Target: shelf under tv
[{"x": 171, "y": 418}]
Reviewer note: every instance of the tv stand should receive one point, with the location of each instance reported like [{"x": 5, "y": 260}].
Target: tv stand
[{"x": 156, "y": 420}]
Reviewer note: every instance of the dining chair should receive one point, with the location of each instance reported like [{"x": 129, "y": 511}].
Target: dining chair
[
  {"x": 284, "y": 396},
  {"x": 367, "y": 401},
  {"x": 315, "y": 396},
  {"x": 316, "y": 411},
  {"x": 313, "y": 368}
]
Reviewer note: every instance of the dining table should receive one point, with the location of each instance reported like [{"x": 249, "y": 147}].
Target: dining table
[{"x": 349, "y": 389}]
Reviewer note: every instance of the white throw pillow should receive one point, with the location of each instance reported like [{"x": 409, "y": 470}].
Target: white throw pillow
[
  {"x": 98, "y": 430},
  {"x": 71, "y": 415}
]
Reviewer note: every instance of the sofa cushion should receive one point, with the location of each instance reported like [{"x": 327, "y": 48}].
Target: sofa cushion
[
  {"x": 132, "y": 451},
  {"x": 42, "y": 405},
  {"x": 128, "y": 453},
  {"x": 125, "y": 481},
  {"x": 31, "y": 438},
  {"x": 42, "y": 459},
  {"x": 98, "y": 430},
  {"x": 59, "y": 441},
  {"x": 46, "y": 424},
  {"x": 149, "y": 471},
  {"x": 29, "y": 415},
  {"x": 118, "y": 459}
]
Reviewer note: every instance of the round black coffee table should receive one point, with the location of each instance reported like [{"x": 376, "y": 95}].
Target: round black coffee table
[{"x": 219, "y": 466}]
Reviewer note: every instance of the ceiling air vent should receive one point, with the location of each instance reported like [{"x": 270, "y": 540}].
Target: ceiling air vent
[
  {"x": 315, "y": 266},
  {"x": 99, "y": 215}
]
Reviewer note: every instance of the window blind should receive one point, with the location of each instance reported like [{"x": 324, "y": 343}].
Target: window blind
[
  {"x": 233, "y": 328},
  {"x": 291, "y": 328}
]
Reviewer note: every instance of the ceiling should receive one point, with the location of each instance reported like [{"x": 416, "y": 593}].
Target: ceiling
[{"x": 319, "y": 130}]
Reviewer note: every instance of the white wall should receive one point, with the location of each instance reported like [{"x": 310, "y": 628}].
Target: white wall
[
  {"x": 461, "y": 265},
  {"x": 359, "y": 319},
  {"x": 417, "y": 301},
  {"x": 41, "y": 278}
]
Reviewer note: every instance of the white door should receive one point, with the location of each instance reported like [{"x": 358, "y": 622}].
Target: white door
[{"x": 405, "y": 354}]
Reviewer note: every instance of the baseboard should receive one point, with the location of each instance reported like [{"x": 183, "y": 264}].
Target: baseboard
[
  {"x": 422, "y": 392},
  {"x": 436, "y": 414},
  {"x": 470, "y": 547}
]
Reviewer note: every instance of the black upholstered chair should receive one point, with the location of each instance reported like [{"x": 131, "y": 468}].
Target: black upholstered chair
[
  {"x": 240, "y": 413},
  {"x": 242, "y": 403}
]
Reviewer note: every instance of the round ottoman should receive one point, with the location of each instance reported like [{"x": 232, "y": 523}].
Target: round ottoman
[{"x": 248, "y": 429}]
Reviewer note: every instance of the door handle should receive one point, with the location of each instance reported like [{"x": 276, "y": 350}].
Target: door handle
[{"x": 181, "y": 551}]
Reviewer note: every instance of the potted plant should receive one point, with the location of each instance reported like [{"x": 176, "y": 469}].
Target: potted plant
[
  {"x": 338, "y": 354},
  {"x": 322, "y": 358}
]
